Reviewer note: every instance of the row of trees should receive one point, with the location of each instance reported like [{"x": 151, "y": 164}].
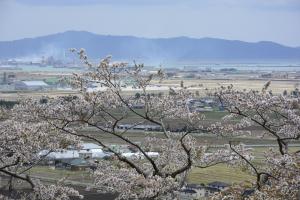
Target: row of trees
[{"x": 54, "y": 123}]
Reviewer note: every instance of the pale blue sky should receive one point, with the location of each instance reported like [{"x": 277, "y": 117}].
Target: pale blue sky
[{"x": 247, "y": 20}]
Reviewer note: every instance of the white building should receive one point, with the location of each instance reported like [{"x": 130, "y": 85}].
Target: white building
[
  {"x": 140, "y": 155},
  {"x": 59, "y": 154},
  {"x": 91, "y": 150},
  {"x": 86, "y": 151},
  {"x": 31, "y": 85}
]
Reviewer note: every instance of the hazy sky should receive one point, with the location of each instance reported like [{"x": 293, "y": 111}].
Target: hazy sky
[{"x": 248, "y": 20}]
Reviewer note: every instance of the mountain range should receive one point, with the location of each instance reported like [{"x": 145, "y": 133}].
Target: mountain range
[{"x": 131, "y": 48}]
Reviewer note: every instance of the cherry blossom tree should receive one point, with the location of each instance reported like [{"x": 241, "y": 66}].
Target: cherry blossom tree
[
  {"x": 55, "y": 123},
  {"x": 21, "y": 138},
  {"x": 105, "y": 110},
  {"x": 278, "y": 177}
]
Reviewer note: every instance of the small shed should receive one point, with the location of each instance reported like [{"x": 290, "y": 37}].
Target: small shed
[{"x": 79, "y": 164}]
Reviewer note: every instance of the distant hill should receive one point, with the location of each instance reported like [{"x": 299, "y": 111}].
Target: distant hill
[{"x": 130, "y": 48}]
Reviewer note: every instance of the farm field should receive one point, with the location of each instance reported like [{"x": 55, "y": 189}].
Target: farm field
[
  {"x": 220, "y": 172},
  {"x": 277, "y": 87},
  {"x": 17, "y": 95}
]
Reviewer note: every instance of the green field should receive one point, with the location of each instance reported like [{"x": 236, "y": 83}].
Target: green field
[
  {"x": 220, "y": 172},
  {"x": 215, "y": 173},
  {"x": 45, "y": 171}
]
